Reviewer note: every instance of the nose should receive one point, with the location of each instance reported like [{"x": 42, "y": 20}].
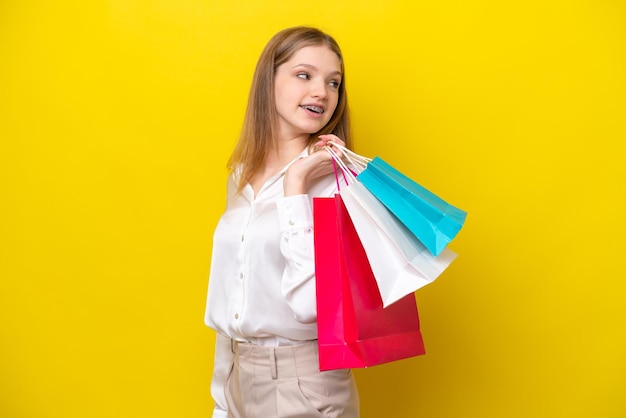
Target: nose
[{"x": 318, "y": 89}]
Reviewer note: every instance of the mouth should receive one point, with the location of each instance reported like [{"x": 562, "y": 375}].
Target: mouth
[{"x": 315, "y": 109}]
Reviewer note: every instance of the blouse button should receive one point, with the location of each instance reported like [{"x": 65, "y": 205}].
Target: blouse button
[
  {"x": 236, "y": 316},
  {"x": 242, "y": 237},
  {"x": 291, "y": 222},
  {"x": 241, "y": 275}
]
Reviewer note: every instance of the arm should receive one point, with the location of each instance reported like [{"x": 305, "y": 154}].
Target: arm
[
  {"x": 296, "y": 245},
  {"x": 296, "y": 223}
]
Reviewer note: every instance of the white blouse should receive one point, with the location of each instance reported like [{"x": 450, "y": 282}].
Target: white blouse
[{"x": 261, "y": 283}]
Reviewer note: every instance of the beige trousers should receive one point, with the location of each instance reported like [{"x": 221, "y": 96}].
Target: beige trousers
[{"x": 281, "y": 382}]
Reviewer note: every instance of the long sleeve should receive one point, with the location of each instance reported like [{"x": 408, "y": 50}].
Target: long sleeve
[
  {"x": 296, "y": 234},
  {"x": 221, "y": 369}
]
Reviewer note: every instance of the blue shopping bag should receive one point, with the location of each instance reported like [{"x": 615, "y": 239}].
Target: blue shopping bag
[{"x": 431, "y": 219}]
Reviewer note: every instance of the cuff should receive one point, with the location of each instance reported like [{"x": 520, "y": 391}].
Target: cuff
[
  {"x": 294, "y": 213},
  {"x": 219, "y": 413}
]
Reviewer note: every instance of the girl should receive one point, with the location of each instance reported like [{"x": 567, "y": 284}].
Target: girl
[{"x": 261, "y": 298}]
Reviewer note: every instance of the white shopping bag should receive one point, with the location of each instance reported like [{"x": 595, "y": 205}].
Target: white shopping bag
[{"x": 400, "y": 262}]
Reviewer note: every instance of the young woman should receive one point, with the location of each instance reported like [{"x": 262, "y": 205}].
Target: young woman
[{"x": 261, "y": 298}]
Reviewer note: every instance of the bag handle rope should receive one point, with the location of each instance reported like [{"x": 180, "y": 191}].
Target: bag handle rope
[
  {"x": 349, "y": 176},
  {"x": 359, "y": 162}
]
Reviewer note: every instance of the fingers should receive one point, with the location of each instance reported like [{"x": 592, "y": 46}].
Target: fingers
[{"x": 329, "y": 140}]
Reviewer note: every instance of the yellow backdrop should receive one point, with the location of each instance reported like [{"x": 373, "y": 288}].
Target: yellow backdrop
[{"x": 116, "y": 121}]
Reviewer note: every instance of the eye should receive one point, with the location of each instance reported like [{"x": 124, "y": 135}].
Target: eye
[
  {"x": 335, "y": 84},
  {"x": 304, "y": 76}
]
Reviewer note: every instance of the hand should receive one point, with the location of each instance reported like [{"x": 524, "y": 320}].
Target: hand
[
  {"x": 329, "y": 140},
  {"x": 307, "y": 169}
]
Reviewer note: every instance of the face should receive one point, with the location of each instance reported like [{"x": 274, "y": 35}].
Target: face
[{"x": 306, "y": 90}]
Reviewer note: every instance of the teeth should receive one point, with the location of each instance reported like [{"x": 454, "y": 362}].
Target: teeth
[{"x": 315, "y": 109}]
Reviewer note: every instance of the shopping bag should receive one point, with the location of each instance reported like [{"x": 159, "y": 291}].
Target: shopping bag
[
  {"x": 400, "y": 262},
  {"x": 354, "y": 329},
  {"x": 431, "y": 219}
]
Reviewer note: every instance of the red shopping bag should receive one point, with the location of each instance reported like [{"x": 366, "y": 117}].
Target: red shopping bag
[{"x": 354, "y": 330}]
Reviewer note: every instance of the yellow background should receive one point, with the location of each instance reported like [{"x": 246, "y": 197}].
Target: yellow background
[{"x": 116, "y": 121}]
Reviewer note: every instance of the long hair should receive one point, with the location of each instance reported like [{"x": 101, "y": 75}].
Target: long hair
[{"x": 257, "y": 134}]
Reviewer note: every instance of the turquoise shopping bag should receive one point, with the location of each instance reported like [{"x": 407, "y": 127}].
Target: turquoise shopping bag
[{"x": 431, "y": 219}]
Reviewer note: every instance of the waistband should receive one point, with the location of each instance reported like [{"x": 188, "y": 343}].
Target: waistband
[
  {"x": 273, "y": 341},
  {"x": 286, "y": 361}
]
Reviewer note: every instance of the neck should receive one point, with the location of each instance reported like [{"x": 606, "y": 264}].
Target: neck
[
  {"x": 278, "y": 157},
  {"x": 285, "y": 151}
]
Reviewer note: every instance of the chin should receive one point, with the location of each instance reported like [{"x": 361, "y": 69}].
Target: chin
[{"x": 316, "y": 128}]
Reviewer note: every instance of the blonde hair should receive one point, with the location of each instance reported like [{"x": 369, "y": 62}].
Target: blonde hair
[{"x": 257, "y": 135}]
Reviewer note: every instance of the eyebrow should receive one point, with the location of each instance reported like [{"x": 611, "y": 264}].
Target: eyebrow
[{"x": 315, "y": 68}]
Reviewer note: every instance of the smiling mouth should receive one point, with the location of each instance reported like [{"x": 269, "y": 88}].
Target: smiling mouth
[{"x": 314, "y": 109}]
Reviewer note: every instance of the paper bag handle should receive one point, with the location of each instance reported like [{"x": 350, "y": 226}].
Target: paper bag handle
[{"x": 348, "y": 174}]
